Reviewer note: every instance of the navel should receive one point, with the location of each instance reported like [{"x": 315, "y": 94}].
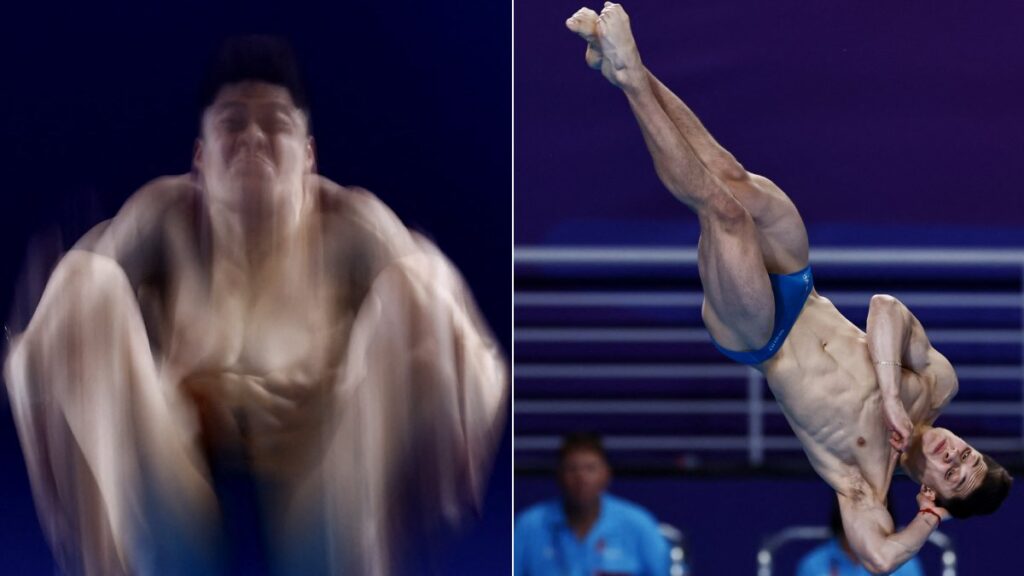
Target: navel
[{"x": 861, "y": 441}]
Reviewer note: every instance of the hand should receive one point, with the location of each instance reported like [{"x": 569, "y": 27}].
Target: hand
[
  {"x": 302, "y": 391},
  {"x": 926, "y": 499},
  {"x": 293, "y": 440},
  {"x": 231, "y": 404},
  {"x": 896, "y": 418}
]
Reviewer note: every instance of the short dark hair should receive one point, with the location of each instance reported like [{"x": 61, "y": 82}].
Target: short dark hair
[
  {"x": 986, "y": 498},
  {"x": 254, "y": 58},
  {"x": 579, "y": 441}
]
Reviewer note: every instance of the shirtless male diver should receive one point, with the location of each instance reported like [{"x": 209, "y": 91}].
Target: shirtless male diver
[
  {"x": 254, "y": 315},
  {"x": 859, "y": 402}
]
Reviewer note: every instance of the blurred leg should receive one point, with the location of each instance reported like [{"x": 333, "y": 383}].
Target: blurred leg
[{"x": 118, "y": 483}]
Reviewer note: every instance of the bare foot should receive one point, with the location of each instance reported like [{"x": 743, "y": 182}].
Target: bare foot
[
  {"x": 621, "y": 63},
  {"x": 584, "y": 23}
]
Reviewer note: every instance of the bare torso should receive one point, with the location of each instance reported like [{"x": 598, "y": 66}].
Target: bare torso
[
  {"x": 212, "y": 316},
  {"x": 824, "y": 379}
]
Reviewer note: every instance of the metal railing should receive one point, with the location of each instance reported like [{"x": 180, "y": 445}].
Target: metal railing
[{"x": 548, "y": 263}]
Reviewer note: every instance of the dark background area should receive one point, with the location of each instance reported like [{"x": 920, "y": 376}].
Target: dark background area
[
  {"x": 410, "y": 100},
  {"x": 897, "y": 124}
]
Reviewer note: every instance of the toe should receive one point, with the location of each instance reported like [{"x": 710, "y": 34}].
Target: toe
[{"x": 582, "y": 22}]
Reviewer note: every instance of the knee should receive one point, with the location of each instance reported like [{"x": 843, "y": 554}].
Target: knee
[
  {"x": 727, "y": 169},
  {"x": 727, "y": 212},
  {"x": 883, "y": 303},
  {"x": 79, "y": 268},
  {"x": 83, "y": 288},
  {"x": 88, "y": 277}
]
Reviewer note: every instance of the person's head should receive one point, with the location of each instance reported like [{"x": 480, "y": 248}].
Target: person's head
[
  {"x": 583, "y": 471},
  {"x": 961, "y": 479},
  {"x": 254, "y": 138}
]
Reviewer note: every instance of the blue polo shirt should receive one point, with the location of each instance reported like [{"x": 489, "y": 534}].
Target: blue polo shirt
[
  {"x": 829, "y": 559},
  {"x": 623, "y": 542}
]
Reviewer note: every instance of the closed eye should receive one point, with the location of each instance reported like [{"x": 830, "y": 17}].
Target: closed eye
[{"x": 233, "y": 122}]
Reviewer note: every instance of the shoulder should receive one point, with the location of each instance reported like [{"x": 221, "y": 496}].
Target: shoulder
[
  {"x": 156, "y": 201},
  {"x": 134, "y": 235},
  {"x": 535, "y": 517},
  {"x": 156, "y": 197},
  {"x": 631, "y": 512},
  {"x": 355, "y": 208},
  {"x": 365, "y": 238}
]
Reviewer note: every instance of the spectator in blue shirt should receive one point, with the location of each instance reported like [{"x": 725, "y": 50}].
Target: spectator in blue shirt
[
  {"x": 835, "y": 558},
  {"x": 588, "y": 532}
]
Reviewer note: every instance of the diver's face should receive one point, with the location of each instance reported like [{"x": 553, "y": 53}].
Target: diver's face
[
  {"x": 945, "y": 463},
  {"x": 255, "y": 145}
]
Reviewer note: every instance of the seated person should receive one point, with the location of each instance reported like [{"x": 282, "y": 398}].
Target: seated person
[{"x": 588, "y": 531}]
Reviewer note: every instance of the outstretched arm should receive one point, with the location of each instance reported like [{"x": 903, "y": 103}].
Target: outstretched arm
[
  {"x": 896, "y": 342},
  {"x": 873, "y": 538}
]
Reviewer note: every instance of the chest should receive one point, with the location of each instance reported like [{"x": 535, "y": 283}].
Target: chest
[{"x": 286, "y": 319}]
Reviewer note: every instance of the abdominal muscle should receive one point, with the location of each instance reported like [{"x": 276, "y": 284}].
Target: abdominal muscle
[
  {"x": 284, "y": 324},
  {"x": 824, "y": 381}
]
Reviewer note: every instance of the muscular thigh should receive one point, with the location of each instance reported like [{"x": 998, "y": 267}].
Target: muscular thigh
[
  {"x": 780, "y": 229},
  {"x": 739, "y": 307}
]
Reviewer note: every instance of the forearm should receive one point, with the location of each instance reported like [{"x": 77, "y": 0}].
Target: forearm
[
  {"x": 677, "y": 164},
  {"x": 717, "y": 159}
]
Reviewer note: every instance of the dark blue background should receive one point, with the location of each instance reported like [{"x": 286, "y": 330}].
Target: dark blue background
[{"x": 410, "y": 100}]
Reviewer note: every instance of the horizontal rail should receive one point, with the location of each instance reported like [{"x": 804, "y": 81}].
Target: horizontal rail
[
  {"x": 679, "y": 335},
  {"x": 1005, "y": 263},
  {"x": 725, "y": 443},
  {"x": 665, "y": 255},
  {"x": 611, "y": 335},
  {"x": 672, "y": 371},
  {"x": 593, "y": 299},
  {"x": 740, "y": 407}
]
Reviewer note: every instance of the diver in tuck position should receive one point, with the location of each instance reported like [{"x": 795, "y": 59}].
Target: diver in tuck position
[{"x": 859, "y": 402}]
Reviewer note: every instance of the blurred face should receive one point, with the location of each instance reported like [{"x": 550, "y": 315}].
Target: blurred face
[
  {"x": 255, "y": 145},
  {"x": 942, "y": 461},
  {"x": 583, "y": 476}
]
